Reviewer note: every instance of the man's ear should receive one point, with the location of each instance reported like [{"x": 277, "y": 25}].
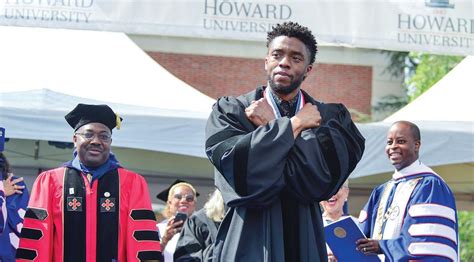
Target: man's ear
[
  {"x": 417, "y": 146},
  {"x": 308, "y": 69},
  {"x": 266, "y": 63}
]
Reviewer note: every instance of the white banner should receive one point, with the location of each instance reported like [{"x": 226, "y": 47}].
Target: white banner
[{"x": 436, "y": 26}]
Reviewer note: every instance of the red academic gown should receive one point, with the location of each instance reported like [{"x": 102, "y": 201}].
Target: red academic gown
[{"x": 68, "y": 220}]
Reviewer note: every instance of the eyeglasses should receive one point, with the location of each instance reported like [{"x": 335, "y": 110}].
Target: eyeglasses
[
  {"x": 104, "y": 137},
  {"x": 189, "y": 198}
]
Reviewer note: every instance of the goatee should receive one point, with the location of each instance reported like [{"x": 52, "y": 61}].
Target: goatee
[{"x": 285, "y": 90}]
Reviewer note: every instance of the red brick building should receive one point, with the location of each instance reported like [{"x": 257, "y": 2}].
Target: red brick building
[{"x": 217, "y": 76}]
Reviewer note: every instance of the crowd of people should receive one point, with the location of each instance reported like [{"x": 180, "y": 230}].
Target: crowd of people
[{"x": 282, "y": 161}]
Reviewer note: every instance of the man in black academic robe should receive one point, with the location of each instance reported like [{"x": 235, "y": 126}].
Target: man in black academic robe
[{"x": 278, "y": 152}]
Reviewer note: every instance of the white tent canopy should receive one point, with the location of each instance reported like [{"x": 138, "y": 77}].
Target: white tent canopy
[
  {"x": 450, "y": 99},
  {"x": 46, "y": 72},
  {"x": 443, "y": 143},
  {"x": 444, "y": 115},
  {"x": 39, "y": 115},
  {"x": 103, "y": 66}
]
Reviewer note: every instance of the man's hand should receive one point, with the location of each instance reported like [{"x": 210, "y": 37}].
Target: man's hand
[
  {"x": 259, "y": 112},
  {"x": 331, "y": 257},
  {"x": 368, "y": 246},
  {"x": 11, "y": 187},
  {"x": 307, "y": 117}
]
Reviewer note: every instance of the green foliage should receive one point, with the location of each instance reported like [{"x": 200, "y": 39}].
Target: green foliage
[
  {"x": 421, "y": 71},
  {"x": 429, "y": 70},
  {"x": 389, "y": 104},
  {"x": 400, "y": 65},
  {"x": 397, "y": 64},
  {"x": 359, "y": 117},
  {"x": 466, "y": 235}
]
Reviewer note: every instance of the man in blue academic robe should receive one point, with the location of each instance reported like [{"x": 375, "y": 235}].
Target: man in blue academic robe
[{"x": 412, "y": 217}]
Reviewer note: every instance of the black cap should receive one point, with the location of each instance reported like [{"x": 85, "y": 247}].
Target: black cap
[
  {"x": 84, "y": 114},
  {"x": 163, "y": 195}
]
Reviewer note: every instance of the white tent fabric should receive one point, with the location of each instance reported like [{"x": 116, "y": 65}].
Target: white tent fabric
[
  {"x": 95, "y": 65},
  {"x": 443, "y": 143},
  {"x": 46, "y": 72},
  {"x": 39, "y": 115},
  {"x": 450, "y": 99},
  {"x": 444, "y": 116}
]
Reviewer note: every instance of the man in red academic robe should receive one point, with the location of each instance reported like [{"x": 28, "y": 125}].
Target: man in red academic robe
[{"x": 90, "y": 209}]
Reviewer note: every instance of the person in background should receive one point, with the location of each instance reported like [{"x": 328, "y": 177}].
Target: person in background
[
  {"x": 412, "y": 217},
  {"x": 334, "y": 210},
  {"x": 278, "y": 152},
  {"x": 180, "y": 197},
  {"x": 91, "y": 208},
  {"x": 16, "y": 201},
  {"x": 200, "y": 231},
  {"x": 3, "y": 209},
  {"x": 334, "y": 207}
]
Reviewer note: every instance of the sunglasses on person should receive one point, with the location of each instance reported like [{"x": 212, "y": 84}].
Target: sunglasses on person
[{"x": 189, "y": 198}]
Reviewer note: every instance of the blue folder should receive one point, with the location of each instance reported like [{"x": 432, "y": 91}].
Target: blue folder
[{"x": 341, "y": 237}]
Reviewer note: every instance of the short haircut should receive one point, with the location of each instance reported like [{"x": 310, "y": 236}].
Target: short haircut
[
  {"x": 292, "y": 29},
  {"x": 415, "y": 131}
]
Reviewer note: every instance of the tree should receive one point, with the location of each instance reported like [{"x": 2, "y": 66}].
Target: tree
[
  {"x": 420, "y": 71},
  {"x": 466, "y": 231},
  {"x": 400, "y": 63},
  {"x": 429, "y": 70}
]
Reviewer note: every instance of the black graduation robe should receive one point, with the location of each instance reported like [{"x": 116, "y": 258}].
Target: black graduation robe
[
  {"x": 272, "y": 183},
  {"x": 196, "y": 239}
]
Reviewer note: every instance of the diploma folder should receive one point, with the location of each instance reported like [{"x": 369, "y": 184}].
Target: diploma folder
[{"x": 341, "y": 237}]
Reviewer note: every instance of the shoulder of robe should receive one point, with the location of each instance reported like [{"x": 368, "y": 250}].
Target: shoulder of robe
[
  {"x": 334, "y": 111},
  {"x": 231, "y": 104}
]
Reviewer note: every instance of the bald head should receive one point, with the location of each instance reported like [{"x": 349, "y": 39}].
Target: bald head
[
  {"x": 403, "y": 144},
  {"x": 415, "y": 131}
]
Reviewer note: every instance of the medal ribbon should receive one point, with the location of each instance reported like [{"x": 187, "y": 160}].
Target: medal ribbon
[{"x": 274, "y": 106}]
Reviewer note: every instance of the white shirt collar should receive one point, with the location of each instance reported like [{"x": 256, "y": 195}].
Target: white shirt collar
[{"x": 413, "y": 169}]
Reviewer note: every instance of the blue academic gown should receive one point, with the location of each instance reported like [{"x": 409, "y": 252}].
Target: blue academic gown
[
  {"x": 16, "y": 207},
  {"x": 3, "y": 210},
  {"x": 429, "y": 226}
]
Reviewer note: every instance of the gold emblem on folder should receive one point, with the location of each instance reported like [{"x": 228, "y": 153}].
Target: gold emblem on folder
[{"x": 340, "y": 232}]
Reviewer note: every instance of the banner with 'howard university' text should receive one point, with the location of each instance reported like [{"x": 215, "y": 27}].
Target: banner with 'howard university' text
[{"x": 435, "y": 26}]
